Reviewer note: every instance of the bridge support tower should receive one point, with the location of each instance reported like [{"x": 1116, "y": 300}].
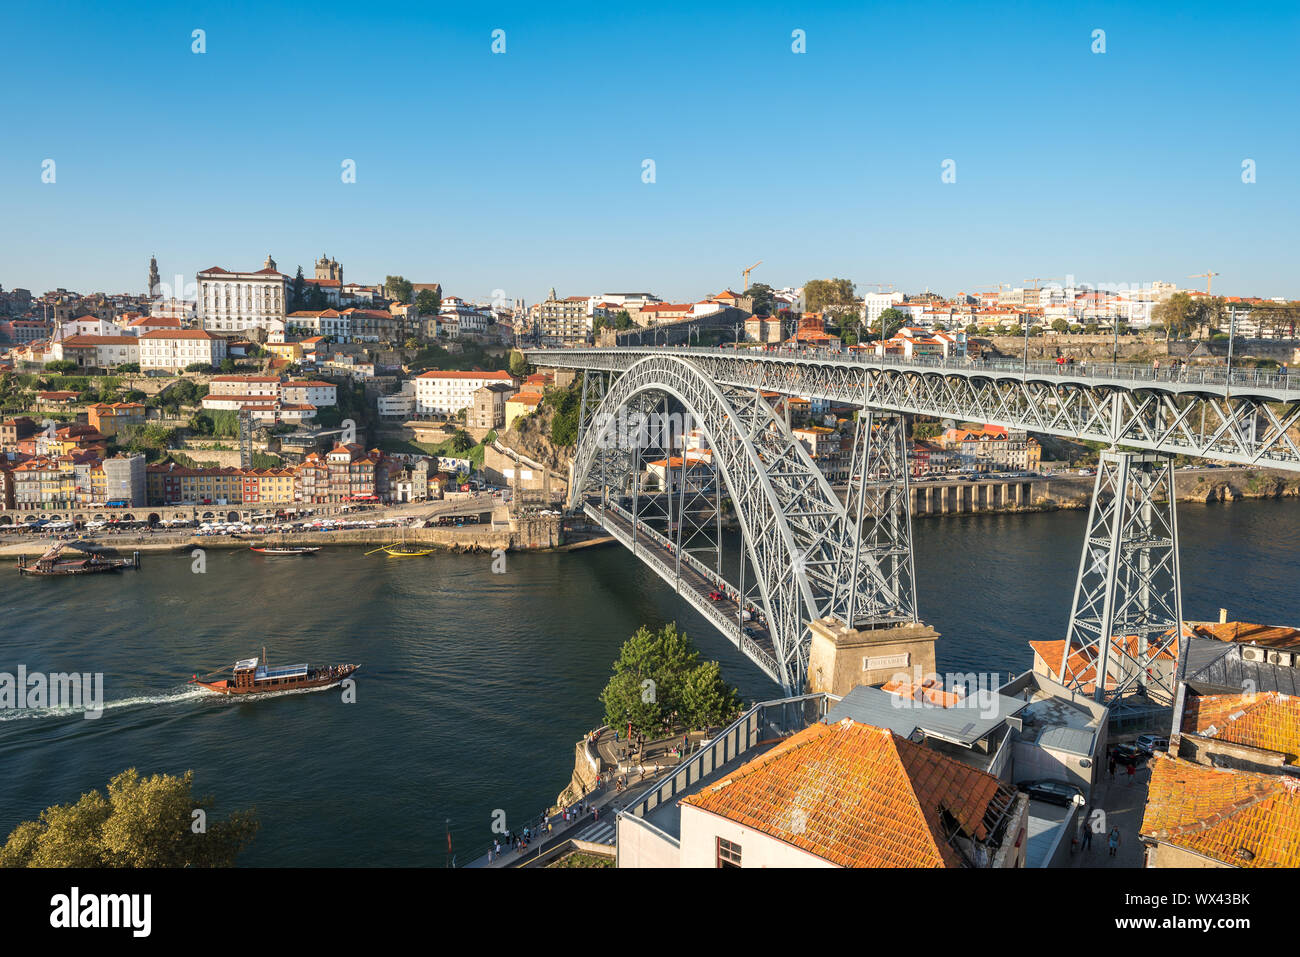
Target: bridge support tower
[{"x": 1127, "y": 609}]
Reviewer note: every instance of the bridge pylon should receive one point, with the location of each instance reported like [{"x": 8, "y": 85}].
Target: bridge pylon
[
  {"x": 1127, "y": 611},
  {"x": 877, "y": 580}
]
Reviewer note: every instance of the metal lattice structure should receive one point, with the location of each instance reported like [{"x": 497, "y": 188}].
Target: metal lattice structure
[
  {"x": 1127, "y": 609},
  {"x": 1206, "y": 414},
  {"x": 878, "y": 508},
  {"x": 795, "y": 532}
]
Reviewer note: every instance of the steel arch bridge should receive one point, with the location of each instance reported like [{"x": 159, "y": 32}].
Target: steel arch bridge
[
  {"x": 804, "y": 556},
  {"x": 812, "y": 556},
  {"x": 1244, "y": 419}
]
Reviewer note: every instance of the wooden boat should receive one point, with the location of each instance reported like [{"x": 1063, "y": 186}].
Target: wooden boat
[
  {"x": 401, "y": 549},
  {"x": 52, "y": 563},
  {"x": 250, "y": 677},
  {"x": 285, "y": 549}
]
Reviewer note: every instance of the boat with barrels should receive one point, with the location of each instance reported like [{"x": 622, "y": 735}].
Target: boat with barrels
[
  {"x": 285, "y": 549},
  {"x": 87, "y": 561},
  {"x": 251, "y": 676}
]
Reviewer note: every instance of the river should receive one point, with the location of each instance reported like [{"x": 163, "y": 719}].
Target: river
[{"x": 475, "y": 685}]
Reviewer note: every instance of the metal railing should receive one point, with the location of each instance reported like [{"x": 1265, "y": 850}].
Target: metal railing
[
  {"x": 766, "y": 721},
  {"x": 756, "y": 653},
  {"x": 1084, "y": 370}
]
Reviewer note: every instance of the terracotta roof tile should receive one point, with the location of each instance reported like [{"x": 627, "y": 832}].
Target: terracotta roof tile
[
  {"x": 857, "y": 796},
  {"x": 1270, "y": 720},
  {"x": 1237, "y": 817}
]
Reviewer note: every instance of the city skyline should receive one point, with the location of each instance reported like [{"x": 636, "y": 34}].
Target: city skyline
[{"x": 524, "y": 169}]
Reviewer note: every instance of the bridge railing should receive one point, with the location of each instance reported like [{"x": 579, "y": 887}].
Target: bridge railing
[
  {"x": 1136, "y": 373},
  {"x": 724, "y": 623}
]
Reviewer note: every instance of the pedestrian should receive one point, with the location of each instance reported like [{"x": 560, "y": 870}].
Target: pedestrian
[
  {"x": 1112, "y": 765},
  {"x": 1114, "y": 840},
  {"x": 1132, "y": 773},
  {"x": 1087, "y": 834}
]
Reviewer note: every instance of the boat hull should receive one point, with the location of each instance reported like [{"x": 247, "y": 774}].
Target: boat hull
[{"x": 317, "y": 678}]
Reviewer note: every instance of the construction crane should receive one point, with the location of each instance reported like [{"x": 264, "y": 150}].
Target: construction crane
[
  {"x": 747, "y": 271},
  {"x": 1209, "y": 280},
  {"x": 1037, "y": 279},
  {"x": 879, "y": 284}
]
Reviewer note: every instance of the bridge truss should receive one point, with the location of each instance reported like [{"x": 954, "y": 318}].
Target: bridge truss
[
  {"x": 802, "y": 554},
  {"x": 808, "y": 555}
]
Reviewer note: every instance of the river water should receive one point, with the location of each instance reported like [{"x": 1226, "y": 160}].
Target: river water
[{"x": 475, "y": 685}]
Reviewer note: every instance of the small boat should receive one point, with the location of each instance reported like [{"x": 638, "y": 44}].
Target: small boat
[
  {"x": 285, "y": 549},
  {"x": 54, "y": 563},
  {"x": 250, "y": 677},
  {"x": 401, "y": 549}
]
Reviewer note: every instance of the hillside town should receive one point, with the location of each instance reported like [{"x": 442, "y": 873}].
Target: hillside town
[{"x": 241, "y": 392}]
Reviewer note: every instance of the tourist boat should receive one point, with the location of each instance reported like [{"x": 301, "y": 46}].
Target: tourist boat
[
  {"x": 54, "y": 563},
  {"x": 285, "y": 549},
  {"x": 248, "y": 676}
]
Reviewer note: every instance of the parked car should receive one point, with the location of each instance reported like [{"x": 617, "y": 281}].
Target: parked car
[
  {"x": 1054, "y": 792},
  {"x": 1128, "y": 754},
  {"x": 1151, "y": 743}
]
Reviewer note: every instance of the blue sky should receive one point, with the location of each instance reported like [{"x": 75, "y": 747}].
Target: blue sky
[{"x": 522, "y": 171}]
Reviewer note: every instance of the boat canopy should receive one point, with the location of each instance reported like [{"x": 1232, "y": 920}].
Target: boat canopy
[
  {"x": 246, "y": 664},
  {"x": 288, "y": 671}
]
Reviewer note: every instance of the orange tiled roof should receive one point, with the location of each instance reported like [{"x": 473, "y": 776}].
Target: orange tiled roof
[
  {"x": 1082, "y": 666},
  {"x": 1270, "y": 721},
  {"x": 857, "y": 796},
  {"x": 1272, "y": 636},
  {"x": 1238, "y": 817}
]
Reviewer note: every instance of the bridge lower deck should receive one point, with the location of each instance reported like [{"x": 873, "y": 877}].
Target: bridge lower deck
[{"x": 694, "y": 581}]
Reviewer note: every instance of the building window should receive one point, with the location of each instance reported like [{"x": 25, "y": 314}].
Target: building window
[{"x": 728, "y": 853}]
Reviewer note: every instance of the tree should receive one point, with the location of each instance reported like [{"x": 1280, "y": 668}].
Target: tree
[
  {"x": 761, "y": 293},
  {"x": 428, "y": 302},
  {"x": 655, "y": 678},
  {"x": 198, "y": 367},
  {"x": 398, "y": 288},
  {"x": 820, "y": 293},
  {"x": 1060, "y": 325},
  {"x": 298, "y": 292},
  {"x": 518, "y": 363},
  {"x": 144, "y": 822},
  {"x": 564, "y": 420},
  {"x": 227, "y": 365},
  {"x": 461, "y": 442},
  {"x": 61, "y": 365},
  {"x": 973, "y": 329},
  {"x": 707, "y": 700},
  {"x": 1176, "y": 315},
  {"x": 889, "y": 322}
]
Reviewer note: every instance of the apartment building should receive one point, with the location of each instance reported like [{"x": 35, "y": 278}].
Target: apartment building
[
  {"x": 440, "y": 392},
  {"x": 173, "y": 349}
]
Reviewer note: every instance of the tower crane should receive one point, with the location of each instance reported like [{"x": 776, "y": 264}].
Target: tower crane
[
  {"x": 1209, "y": 280},
  {"x": 747, "y": 272}
]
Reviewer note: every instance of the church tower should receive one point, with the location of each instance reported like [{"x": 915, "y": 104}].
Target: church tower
[
  {"x": 327, "y": 268},
  {"x": 270, "y": 263},
  {"x": 154, "y": 280}
]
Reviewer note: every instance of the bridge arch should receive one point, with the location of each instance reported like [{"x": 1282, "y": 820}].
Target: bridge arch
[{"x": 792, "y": 524}]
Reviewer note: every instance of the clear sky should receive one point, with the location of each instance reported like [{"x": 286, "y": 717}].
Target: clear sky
[{"x": 523, "y": 170}]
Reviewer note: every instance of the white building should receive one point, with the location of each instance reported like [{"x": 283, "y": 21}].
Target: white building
[
  {"x": 874, "y": 303},
  {"x": 239, "y": 301},
  {"x": 101, "y": 351},
  {"x": 445, "y": 393},
  {"x": 327, "y": 322},
  {"x": 310, "y": 393},
  {"x": 174, "y": 349}
]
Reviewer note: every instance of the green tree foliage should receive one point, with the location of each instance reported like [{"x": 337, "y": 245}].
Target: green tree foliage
[
  {"x": 61, "y": 365},
  {"x": 1060, "y": 325},
  {"x": 889, "y": 322},
  {"x": 461, "y": 442},
  {"x": 399, "y": 288},
  {"x": 564, "y": 421},
  {"x": 762, "y": 294},
  {"x": 143, "y": 822},
  {"x": 428, "y": 302},
  {"x": 518, "y": 363},
  {"x": 1180, "y": 315},
  {"x": 659, "y": 681},
  {"x": 298, "y": 292},
  {"x": 198, "y": 367},
  {"x": 820, "y": 293}
]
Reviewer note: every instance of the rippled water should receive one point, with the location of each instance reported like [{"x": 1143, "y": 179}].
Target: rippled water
[{"x": 474, "y": 686}]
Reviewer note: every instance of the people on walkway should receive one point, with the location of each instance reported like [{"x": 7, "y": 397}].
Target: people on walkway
[{"x": 1114, "y": 840}]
